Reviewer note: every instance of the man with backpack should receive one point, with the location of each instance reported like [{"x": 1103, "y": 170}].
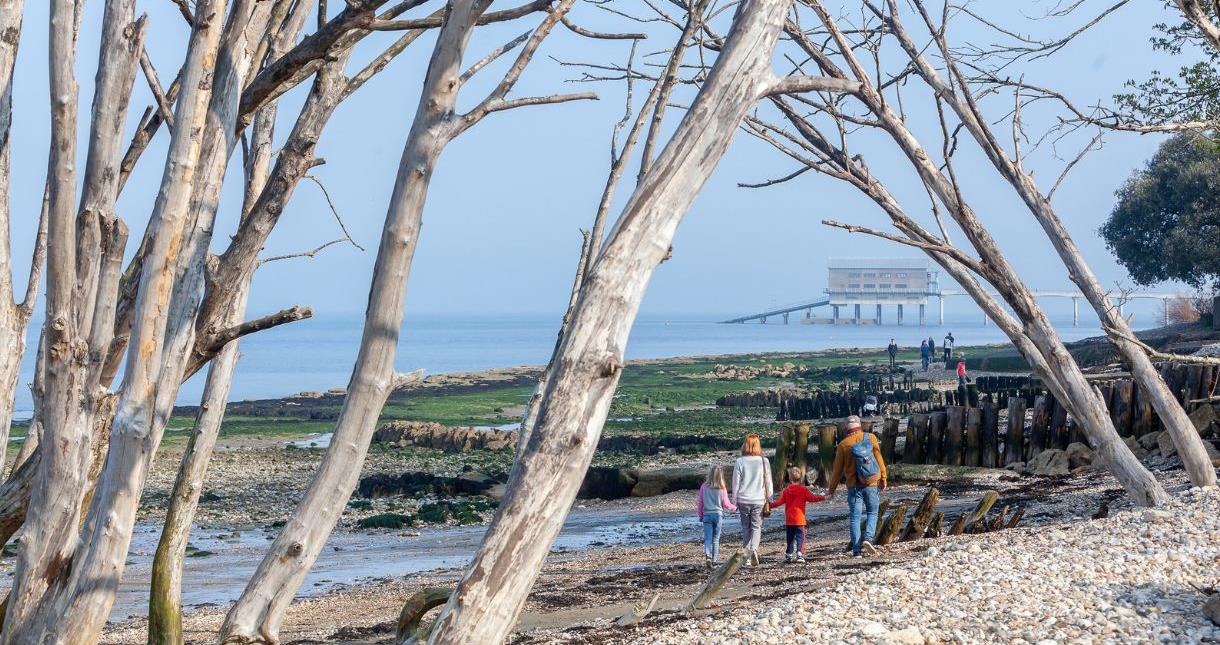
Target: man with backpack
[
  {"x": 858, "y": 460},
  {"x": 892, "y": 350}
]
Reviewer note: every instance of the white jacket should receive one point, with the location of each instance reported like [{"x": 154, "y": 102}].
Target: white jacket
[{"x": 751, "y": 480}]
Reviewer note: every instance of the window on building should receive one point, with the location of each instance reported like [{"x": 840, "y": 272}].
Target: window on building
[
  {"x": 868, "y": 285},
  {"x": 869, "y": 275},
  {"x": 854, "y": 285},
  {"x": 883, "y": 275},
  {"x": 885, "y": 286},
  {"x": 900, "y": 275},
  {"x": 900, "y": 286},
  {"x": 853, "y": 275}
]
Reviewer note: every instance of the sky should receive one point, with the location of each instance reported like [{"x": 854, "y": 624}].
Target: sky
[{"x": 501, "y": 226}]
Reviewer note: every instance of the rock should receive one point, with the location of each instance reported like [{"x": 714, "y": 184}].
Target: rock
[
  {"x": 1211, "y": 608},
  {"x": 1050, "y": 463},
  {"x": 434, "y": 435},
  {"x": 1149, "y": 441},
  {"x": 908, "y": 636},
  {"x": 604, "y": 482},
  {"x": 1212, "y": 452},
  {"x": 1136, "y": 448},
  {"x": 1016, "y": 467},
  {"x": 658, "y": 481},
  {"x": 1204, "y": 419},
  {"x": 1079, "y": 455},
  {"x": 873, "y": 629},
  {"x": 417, "y": 484},
  {"x": 1153, "y": 515},
  {"x": 1164, "y": 442}
]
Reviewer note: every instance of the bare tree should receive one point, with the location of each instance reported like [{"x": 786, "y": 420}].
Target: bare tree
[
  {"x": 14, "y": 316},
  {"x": 257, "y": 614},
  {"x": 1036, "y": 332},
  {"x": 573, "y": 406},
  {"x": 960, "y": 97}
]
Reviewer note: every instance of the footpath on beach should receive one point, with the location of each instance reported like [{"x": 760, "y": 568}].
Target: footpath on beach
[{"x": 1135, "y": 576}]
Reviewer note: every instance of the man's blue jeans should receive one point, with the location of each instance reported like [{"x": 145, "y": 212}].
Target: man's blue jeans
[
  {"x": 856, "y": 498},
  {"x": 711, "y": 535}
]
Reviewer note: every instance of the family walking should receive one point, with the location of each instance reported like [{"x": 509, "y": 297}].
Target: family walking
[{"x": 857, "y": 463}]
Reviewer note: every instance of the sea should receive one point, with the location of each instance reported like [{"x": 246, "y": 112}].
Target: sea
[{"x": 317, "y": 354}]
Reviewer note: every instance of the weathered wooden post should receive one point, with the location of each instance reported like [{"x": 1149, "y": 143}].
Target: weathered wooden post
[
  {"x": 1059, "y": 425},
  {"x": 1014, "y": 442},
  {"x": 1121, "y": 408},
  {"x": 890, "y": 527},
  {"x": 800, "y": 449},
  {"x": 934, "y": 530},
  {"x": 1142, "y": 417},
  {"x": 1040, "y": 425},
  {"x": 980, "y": 511},
  {"x": 992, "y": 458},
  {"x": 779, "y": 463},
  {"x": 909, "y": 449},
  {"x": 936, "y": 438},
  {"x": 974, "y": 437},
  {"x": 826, "y": 453},
  {"x": 922, "y": 517},
  {"x": 889, "y": 440},
  {"x": 954, "y": 435}
]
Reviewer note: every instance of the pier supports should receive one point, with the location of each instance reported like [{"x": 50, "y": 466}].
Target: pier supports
[
  {"x": 878, "y": 318},
  {"x": 899, "y": 314},
  {"x": 1075, "y": 312},
  {"x": 1165, "y": 312},
  {"x": 941, "y": 301},
  {"x": 856, "y": 320},
  {"x": 921, "y": 315},
  {"x": 834, "y": 313},
  {"x": 785, "y": 318}
]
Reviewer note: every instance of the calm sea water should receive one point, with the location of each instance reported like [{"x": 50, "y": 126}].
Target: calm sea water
[{"x": 317, "y": 354}]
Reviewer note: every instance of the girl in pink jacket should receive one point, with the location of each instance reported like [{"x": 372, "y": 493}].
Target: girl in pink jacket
[{"x": 713, "y": 502}]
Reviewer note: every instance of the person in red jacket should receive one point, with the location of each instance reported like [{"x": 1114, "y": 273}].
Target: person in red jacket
[{"x": 793, "y": 498}]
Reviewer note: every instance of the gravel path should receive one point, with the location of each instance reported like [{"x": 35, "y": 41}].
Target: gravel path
[{"x": 1125, "y": 578}]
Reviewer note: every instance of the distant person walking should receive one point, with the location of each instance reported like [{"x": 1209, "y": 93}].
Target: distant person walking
[
  {"x": 931, "y": 349},
  {"x": 924, "y": 355},
  {"x": 893, "y": 352},
  {"x": 793, "y": 498},
  {"x": 858, "y": 460},
  {"x": 713, "y": 503},
  {"x": 961, "y": 372},
  {"x": 948, "y": 347},
  {"x": 751, "y": 490}
]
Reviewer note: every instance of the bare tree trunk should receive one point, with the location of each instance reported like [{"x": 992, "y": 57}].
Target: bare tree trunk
[
  {"x": 55, "y": 498},
  {"x": 550, "y": 467},
  {"x": 1086, "y": 405},
  {"x": 257, "y": 614},
  {"x": 1186, "y": 439}
]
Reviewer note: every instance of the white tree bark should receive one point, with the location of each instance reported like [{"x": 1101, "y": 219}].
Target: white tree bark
[
  {"x": 257, "y": 614},
  {"x": 52, "y": 521},
  {"x": 549, "y": 468},
  {"x": 1086, "y": 404},
  {"x": 1190, "y": 446}
]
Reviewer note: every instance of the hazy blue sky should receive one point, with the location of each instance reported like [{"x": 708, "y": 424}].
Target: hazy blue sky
[{"x": 503, "y": 212}]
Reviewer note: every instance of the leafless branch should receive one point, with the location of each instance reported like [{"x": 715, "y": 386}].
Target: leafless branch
[
  {"x": 493, "y": 55},
  {"x": 778, "y": 180},
  {"x": 164, "y": 108},
  {"x": 1067, "y": 169},
  {"x": 334, "y": 211},
  {"x": 601, "y": 35},
  {"x": 303, "y": 254}
]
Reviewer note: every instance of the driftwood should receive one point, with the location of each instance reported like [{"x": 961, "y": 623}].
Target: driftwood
[
  {"x": 955, "y": 433},
  {"x": 639, "y": 612},
  {"x": 1016, "y": 517},
  {"x": 716, "y": 582},
  {"x": 420, "y": 603},
  {"x": 918, "y": 525},
  {"x": 826, "y": 454},
  {"x": 891, "y": 526},
  {"x": 980, "y": 511},
  {"x": 934, "y": 530}
]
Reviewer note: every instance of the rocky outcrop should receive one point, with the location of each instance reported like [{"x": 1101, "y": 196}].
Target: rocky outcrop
[
  {"x": 417, "y": 484},
  {"x": 750, "y": 372},
  {"x": 1050, "y": 463},
  {"x": 1079, "y": 455},
  {"x": 434, "y": 435},
  {"x": 605, "y": 482},
  {"x": 770, "y": 398}
]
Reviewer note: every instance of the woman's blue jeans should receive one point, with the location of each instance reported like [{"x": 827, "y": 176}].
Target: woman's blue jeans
[
  {"x": 868, "y": 498},
  {"x": 711, "y": 535}
]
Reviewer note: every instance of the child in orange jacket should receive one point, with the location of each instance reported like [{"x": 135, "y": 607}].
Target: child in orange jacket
[{"x": 793, "y": 498}]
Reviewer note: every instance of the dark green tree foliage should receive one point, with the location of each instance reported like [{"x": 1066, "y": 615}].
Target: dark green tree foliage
[
  {"x": 1192, "y": 94},
  {"x": 1166, "y": 225}
]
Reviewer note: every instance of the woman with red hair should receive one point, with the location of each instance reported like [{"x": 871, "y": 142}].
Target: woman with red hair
[{"x": 752, "y": 489}]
